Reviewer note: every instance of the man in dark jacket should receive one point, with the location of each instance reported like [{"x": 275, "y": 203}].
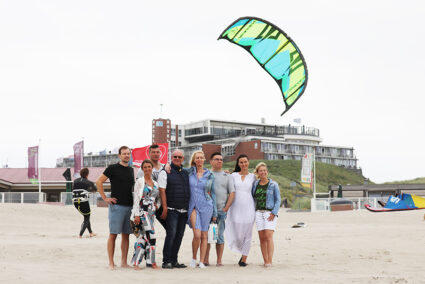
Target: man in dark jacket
[{"x": 175, "y": 202}]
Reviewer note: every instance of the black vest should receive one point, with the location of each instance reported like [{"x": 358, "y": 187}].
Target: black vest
[{"x": 177, "y": 191}]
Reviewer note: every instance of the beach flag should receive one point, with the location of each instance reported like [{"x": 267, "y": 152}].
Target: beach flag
[
  {"x": 307, "y": 170},
  {"x": 142, "y": 153},
  {"x": 67, "y": 175},
  {"x": 33, "y": 164},
  {"x": 78, "y": 158}
]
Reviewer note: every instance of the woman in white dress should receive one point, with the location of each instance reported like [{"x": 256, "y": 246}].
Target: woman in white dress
[{"x": 241, "y": 215}]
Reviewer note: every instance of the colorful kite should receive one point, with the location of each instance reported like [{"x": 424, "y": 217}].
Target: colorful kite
[
  {"x": 274, "y": 51},
  {"x": 400, "y": 203}
]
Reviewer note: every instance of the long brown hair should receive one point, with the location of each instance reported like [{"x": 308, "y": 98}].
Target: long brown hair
[{"x": 237, "y": 168}]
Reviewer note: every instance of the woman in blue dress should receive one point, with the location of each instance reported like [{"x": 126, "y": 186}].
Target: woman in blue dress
[{"x": 202, "y": 206}]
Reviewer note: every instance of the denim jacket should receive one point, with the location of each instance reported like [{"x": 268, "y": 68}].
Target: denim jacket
[
  {"x": 273, "y": 195},
  {"x": 209, "y": 189}
]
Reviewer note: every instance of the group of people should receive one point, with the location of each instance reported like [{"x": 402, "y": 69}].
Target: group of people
[{"x": 197, "y": 196}]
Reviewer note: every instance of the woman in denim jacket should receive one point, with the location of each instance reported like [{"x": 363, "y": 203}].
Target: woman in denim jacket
[
  {"x": 266, "y": 195},
  {"x": 202, "y": 205}
]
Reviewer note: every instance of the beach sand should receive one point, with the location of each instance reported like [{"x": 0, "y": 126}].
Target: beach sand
[{"x": 40, "y": 244}]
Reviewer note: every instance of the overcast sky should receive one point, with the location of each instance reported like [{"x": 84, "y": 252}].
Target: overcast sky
[{"x": 101, "y": 69}]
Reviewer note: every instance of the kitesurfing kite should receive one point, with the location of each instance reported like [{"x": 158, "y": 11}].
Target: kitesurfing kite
[
  {"x": 274, "y": 51},
  {"x": 401, "y": 203}
]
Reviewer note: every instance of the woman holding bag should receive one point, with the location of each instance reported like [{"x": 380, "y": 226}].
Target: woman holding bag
[{"x": 202, "y": 206}]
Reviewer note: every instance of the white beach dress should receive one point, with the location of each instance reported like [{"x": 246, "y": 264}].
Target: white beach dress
[{"x": 241, "y": 215}]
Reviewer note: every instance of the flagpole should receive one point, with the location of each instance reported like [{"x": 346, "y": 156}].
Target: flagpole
[
  {"x": 82, "y": 158},
  {"x": 314, "y": 173},
  {"x": 39, "y": 172}
]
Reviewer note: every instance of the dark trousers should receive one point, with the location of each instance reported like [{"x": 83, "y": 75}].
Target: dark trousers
[
  {"x": 84, "y": 209},
  {"x": 158, "y": 217},
  {"x": 175, "y": 226}
]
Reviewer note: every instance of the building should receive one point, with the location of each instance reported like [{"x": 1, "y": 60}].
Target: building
[
  {"x": 15, "y": 180},
  {"x": 231, "y": 138},
  {"x": 257, "y": 140},
  {"x": 101, "y": 159},
  {"x": 161, "y": 131},
  {"x": 380, "y": 191}
]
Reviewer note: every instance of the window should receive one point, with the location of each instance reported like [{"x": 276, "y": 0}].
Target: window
[{"x": 159, "y": 124}]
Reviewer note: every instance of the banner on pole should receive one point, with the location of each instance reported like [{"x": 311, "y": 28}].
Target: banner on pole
[
  {"x": 33, "y": 164},
  {"x": 307, "y": 170},
  {"x": 78, "y": 158},
  {"x": 142, "y": 153}
]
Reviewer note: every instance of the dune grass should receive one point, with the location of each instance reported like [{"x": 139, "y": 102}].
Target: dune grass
[{"x": 287, "y": 172}]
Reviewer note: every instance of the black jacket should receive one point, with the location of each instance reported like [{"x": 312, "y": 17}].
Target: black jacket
[{"x": 83, "y": 183}]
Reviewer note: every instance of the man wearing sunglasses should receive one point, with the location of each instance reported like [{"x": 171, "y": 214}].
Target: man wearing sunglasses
[{"x": 175, "y": 203}]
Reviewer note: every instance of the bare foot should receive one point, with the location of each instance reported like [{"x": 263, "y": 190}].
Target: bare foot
[
  {"x": 136, "y": 267},
  {"x": 219, "y": 264},
  {"x": 111, "y": 266},
  {"x": 125, "y": 265},
  {"x": 154, "y": 266},
  {"x": 93, "y": 235},
  {"x": 80, "y": 237}
]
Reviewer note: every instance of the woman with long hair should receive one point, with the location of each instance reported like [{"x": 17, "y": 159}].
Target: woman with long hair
[
  {"x": 145, "y": 197},
  {"x": 241, "y": 215},
  {"x": 266, "y": 195},
  {"x": 202, "y": 206}
]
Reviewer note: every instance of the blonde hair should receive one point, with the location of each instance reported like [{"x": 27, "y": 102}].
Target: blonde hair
[
  {"x": 192, "y": 160},
  {"x": 258, "y": 166}
]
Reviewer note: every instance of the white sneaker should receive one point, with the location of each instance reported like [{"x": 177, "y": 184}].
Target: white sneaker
[
  {"x": 192, "y": 263},
  {"x": 201, "y": 265}
]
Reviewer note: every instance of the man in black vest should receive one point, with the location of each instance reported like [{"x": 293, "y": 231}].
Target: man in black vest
[{"x": 175, "y": 202}]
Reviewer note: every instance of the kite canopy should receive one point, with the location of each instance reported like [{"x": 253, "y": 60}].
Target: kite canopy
[
  {"x": 401, "y": 203},
  {"x": 274, "y": 51},
  {"x": 405, "y": 202}
]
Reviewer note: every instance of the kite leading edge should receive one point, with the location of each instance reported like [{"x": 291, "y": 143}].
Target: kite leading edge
[{"x": 274, "y": 51}]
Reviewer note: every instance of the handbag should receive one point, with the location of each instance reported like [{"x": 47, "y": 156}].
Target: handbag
[{"x": 212, "y": 233}]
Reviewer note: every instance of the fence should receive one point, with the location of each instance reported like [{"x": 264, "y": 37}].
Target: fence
[
  {"x": 33, "y": 197},
  {"x": 22, "y": 197},
  {"x": 66, "y": 198},
  {"x": 323, "y": 204}
]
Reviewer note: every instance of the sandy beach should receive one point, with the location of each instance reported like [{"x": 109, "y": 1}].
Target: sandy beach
[{"x": 40, "y": 244}]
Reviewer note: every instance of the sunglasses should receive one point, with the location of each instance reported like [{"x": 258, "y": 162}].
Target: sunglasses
[{"x": 178, "y": 157}]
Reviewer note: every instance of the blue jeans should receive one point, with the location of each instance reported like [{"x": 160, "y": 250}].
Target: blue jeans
[
  {"x": 174, "y": 227},
  {"x": 119, "y": 219},
  {"x": 221, "y": 218}
]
